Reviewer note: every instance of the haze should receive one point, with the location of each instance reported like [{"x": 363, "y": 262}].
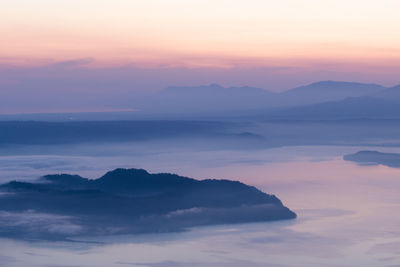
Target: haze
[
  {"x": 130, "y": 47},
  {"x": 199, "y": 133}
]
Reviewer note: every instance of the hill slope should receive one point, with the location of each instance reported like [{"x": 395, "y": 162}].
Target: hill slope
[{"x": 130, "y": 201}]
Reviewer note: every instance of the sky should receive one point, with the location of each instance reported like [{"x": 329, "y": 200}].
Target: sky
[{"x": 275, "y": 45}]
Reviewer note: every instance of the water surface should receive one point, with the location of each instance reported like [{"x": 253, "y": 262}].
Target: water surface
[{"x": 347, "y": 214}]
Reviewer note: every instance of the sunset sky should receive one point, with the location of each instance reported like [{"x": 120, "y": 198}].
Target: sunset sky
[
  {"x": 222, "y": 33},
  {"x": 253, "y": 42}
]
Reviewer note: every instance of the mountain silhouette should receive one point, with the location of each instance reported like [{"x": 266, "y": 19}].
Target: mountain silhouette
[
  {"x": 216, "y": 99},
  {"x": 367, "y": 157},
  {"x": 327, "y": 91},
  {"x": 391, "y": 94},
  {"x": 349, "y": 108},
  {"x": 134, "y": 201}
]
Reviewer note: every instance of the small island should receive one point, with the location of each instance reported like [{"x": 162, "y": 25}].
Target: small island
[
  {"x": 128, "y": 201},
  {"x": 367, "y": 157}
]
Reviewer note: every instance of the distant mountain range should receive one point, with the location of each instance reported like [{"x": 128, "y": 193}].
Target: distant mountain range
[
  {"x": 320, "y": 100},
  {"x": 325, "y": 99},
  {"x": 364, "y": 107},
  {"x": 327, "y": 91},
  {"x": 127, "y": 201},
  {"x": 392, "y": 94},
  {"x": 367, "y": 157}
]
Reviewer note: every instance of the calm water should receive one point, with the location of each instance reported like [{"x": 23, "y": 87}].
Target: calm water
[{"x": 347, "y": 214}]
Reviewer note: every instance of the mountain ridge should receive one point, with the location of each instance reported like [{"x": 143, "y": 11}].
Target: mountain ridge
[
  {"x": 134, "y": 201},
  {"x": 218, "y": 99}
]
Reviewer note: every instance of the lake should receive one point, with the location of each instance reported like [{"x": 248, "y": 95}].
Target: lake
[{"x": 347, "y": 213}]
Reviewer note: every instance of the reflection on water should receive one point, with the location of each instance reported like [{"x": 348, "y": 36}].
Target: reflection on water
[{"x": 348, "y": 214}]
